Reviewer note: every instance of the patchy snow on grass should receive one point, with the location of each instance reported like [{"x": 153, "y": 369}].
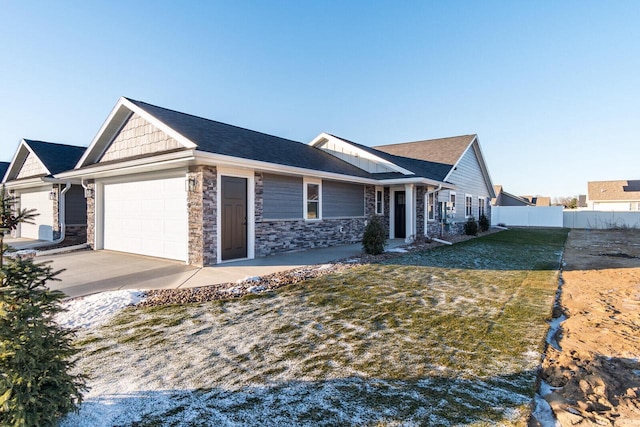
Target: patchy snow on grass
[
  {"x": 96, "y": 309},
  {"x": 398, "y": 250}
]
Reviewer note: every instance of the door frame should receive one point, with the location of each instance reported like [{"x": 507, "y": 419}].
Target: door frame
[
  {"x": 392, "y": 210},
  {"x": 249, "y": 175}
]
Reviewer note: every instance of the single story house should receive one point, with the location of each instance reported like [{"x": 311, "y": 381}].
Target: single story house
[
  {"x": 168, "y": 184},
  {"x": 507, "y": 199},
  {"x": 618, "y": 195},
  {"x": 60, "y": 204}
]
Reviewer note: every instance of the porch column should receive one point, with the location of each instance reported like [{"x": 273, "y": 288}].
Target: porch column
[{"x": 410, "y": 212}]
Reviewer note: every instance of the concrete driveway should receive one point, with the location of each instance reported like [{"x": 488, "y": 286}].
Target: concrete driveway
[{"x": 88, "y": 272}]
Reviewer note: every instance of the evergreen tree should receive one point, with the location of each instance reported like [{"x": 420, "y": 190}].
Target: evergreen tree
[
  {"x": 10, "y": 217},
  {"x": 36, "y": 354},
  {"x": 373, "y": 240}
]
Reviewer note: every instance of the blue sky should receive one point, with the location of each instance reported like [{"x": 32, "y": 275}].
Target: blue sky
[{"x": 551, "y": 88}]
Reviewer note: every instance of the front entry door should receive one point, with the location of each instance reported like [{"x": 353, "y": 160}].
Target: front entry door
[
  {"x": 400, "y": 210},
  {"x": 234, "y": 217}
]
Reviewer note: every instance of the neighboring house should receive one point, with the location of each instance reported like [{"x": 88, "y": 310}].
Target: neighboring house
[
  {"x": 613, "y": 195},
  {"x": 507, "y": 199},
  {"x": 168, "y": 184},
  {"x": 3, "y": 169},
  {"x": 459, "y": 162},
  {"x": 538, "y": 200},
  {"x": 60, "y": 204}
]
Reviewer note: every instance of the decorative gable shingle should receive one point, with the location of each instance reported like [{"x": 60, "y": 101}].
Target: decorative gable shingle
[
  {"x": 138, "y": 138},
  {"x": 31, "y": 167}
]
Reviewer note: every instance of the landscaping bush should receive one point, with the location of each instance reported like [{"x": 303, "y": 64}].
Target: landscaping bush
[
  {"x": 483, "y": 223},
  {"x": 373, "y": 241},
  {"x": 471, "y": 227},
  {"x": 36, "y": 386}
]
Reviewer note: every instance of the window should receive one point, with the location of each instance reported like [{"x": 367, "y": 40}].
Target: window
[
  {"x": 431, "y": 211},
  {"x": 481, "y": 202},
  {"x": 379, "y": 201},
  {"x": 452, "y": 203},
  {"x": 468, "y": 205},
  {"x": 312, "y": 200}
]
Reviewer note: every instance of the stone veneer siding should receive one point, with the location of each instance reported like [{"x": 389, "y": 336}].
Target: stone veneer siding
[
  {"x": 91, "y": 216},
  {"x": 139, "y": 137},
  {"x": 56, "y": 215},
  {"x": 420, "y": 192},
  {"x": 201, "y": 205},
  {"x": 279, "y": 236}
]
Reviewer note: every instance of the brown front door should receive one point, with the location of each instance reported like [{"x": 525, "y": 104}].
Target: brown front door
[{"x": 234, "y": 217}]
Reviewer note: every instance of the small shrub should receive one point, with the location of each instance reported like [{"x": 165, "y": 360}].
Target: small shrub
[
  {"x": 471, "y": 227},
  {"x": 36, "y": 354},
  {"x": 374, "y": 239},
  {"x": 483, "y": 223}
]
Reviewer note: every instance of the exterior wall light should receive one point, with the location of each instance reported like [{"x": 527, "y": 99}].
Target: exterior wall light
[
  {"x": 88, "y": 193},
  {"x": 52, "y": 195},
  {"x": 191, "y": 184}
]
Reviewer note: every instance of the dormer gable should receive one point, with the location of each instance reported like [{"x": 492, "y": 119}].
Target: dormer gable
[
  {"x": 355, "y": 155},
  {"x": 25, "y": 164}
]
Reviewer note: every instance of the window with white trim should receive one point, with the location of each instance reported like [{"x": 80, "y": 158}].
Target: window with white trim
[
  {"x": 481, "y": 204},
  {"x": 452, "y": 203},
  {"x": 431, "y": 206},
  {"x": 468, "y": 205},
  {"x": 379, "y": 201},
  {"x": 312, "y": 197}
]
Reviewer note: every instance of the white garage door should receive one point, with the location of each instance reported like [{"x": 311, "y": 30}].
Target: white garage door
[
  {"x": 147, "y": 218},
  {"x": 43, "y": 223}
]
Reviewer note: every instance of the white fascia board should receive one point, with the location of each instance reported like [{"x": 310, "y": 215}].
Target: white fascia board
[
  {"x": 230, "y": 161},
  {"x": 324, "y": 137},
  {"x": 153, "y": 163},
  {"x": 121, "y": 112},
  {"x": 18, "y": 160},
  {"x": 25, "y": 183}
]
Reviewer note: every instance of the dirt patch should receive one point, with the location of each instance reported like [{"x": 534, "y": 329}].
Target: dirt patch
[{"x": 597, "y": 370}]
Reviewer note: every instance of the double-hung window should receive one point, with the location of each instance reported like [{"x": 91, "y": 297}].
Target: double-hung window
[
  {"x": 431, "y": 211},
  {"x": 481, "y": 202},
  {"x": 312, "y": 196},
  {"x": 452, "y": 203},
  {"x": 379, "y": 201},
  {"x": 468, "y": 205}
]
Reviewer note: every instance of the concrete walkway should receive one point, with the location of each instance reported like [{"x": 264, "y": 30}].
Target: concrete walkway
[{"x": 87, "y": 272}]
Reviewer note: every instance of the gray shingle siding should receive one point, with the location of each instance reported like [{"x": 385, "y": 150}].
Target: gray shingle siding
[
  {"x": 340, "y": 199},
  {"x": 282, "y": 197}
]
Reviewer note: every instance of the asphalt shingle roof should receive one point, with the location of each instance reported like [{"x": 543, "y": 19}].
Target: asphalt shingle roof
[
  {"x": 56, "y": 157},
  {"x": 221, "y": 138},
  {"x": 4, "y": 166},
  {"x": 614, "y": 190},
  {"x": 445, "y": 151}
]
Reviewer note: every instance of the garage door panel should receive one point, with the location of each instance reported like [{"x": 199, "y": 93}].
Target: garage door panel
[
  {"x": 42, "y": 227},
  {"x": 147, "y": 218}
]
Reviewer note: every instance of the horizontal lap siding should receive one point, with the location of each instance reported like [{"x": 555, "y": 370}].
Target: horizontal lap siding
[
  {"x": 468, "y": 179},
  {"x": 341, "y": 199},
  {"x": 282, "y": 197}
]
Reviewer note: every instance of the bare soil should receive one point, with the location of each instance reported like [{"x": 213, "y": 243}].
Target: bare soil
[{"x": 597, "y": 370}]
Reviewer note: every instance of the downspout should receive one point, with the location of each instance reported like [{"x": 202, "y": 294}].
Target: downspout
[{"x": 61, "y": 213}]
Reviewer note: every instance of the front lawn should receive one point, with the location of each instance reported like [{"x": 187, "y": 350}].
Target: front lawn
[{"x": 451, "y": 336}]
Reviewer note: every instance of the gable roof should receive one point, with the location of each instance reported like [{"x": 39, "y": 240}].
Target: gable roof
[
  {"x": 446, "y": 151},
  {"x": 614, "y": 190},
  {"x": 4, "y": 166},
  {"x": 210, "y": 136},
  {"x": 501, "y": 195},
  {"x": 53, "y": 157},
  {"x": 421, "y": 168}
]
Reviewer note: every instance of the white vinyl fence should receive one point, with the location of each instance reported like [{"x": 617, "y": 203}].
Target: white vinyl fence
[
  {"x": 527, "y": 216},
  {"x": 555, "y": 216},
  {"x": 601, "y": 219}
]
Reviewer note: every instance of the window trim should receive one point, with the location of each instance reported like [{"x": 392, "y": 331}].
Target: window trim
[
  {"x": 431, "y": 213},
  {"x": 468, "y": 206},
  {"x": 379, "y": 201},
  {"x": 305, "y": 193},
  {"x": 484, "y": 206},
  {"x": 452, "y": 203}
]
